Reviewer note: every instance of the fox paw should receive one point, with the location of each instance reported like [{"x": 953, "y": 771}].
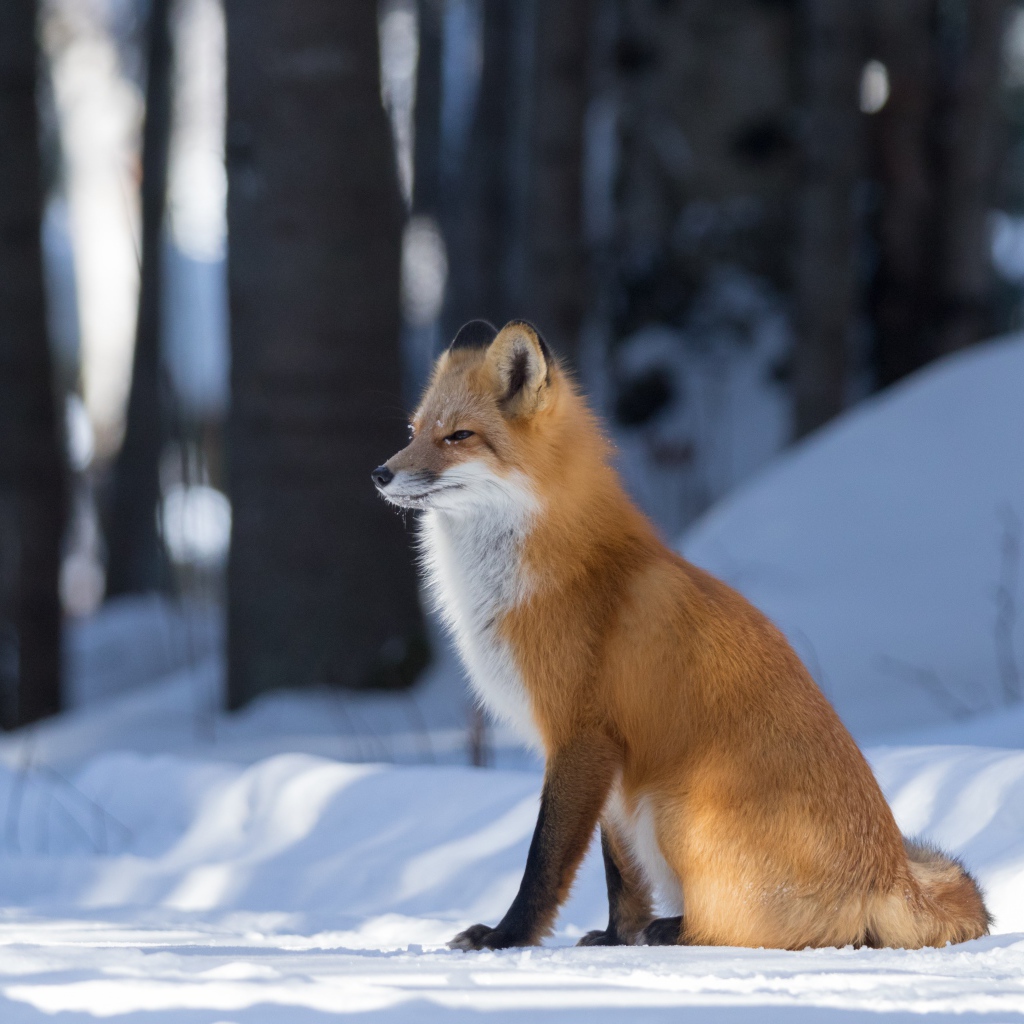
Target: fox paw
[
  {"x": 662, "y": 931},
  {"x": 479, "y": 936},
  {"x": 601, "y": 938}
]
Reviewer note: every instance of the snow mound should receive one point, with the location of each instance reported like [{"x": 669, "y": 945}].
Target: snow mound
[
  {"x": 301, "y": 834},
  {"x": 888, "y": 546}
]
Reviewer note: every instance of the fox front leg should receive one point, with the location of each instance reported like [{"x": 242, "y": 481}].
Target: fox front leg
[{"x": 576, "y": 785}]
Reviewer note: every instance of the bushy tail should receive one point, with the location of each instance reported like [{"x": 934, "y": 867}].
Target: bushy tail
[{"x": 948, "y": 906}]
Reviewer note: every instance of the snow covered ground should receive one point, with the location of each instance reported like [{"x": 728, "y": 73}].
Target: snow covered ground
[
  {"x": 306, "y": 860},
  {"x": 300, "y": 887}
]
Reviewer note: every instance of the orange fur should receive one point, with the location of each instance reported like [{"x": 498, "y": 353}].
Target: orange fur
[{"x": 761, "y": 805}]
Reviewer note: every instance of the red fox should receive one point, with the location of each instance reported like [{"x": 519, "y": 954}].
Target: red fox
[{"x": 668, "y": 708}]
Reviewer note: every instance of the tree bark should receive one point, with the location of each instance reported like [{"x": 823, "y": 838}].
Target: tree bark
[
  {"x": 968, "y": 139},
  {"x": 32, "y": 483},
  {"x": 321, "y": 587},
  {"x": 903, "y": 158},
  {"x": 935, "y": 150},
  {"x": 137, "y": 561},
  {"x": 557, "y": 287},
  {"x": 477, "y": 201},
  {"x": 514, "y": 218},
  {"x": 826, "y": 286},
  {"x": 420, "y": 329},
  {"x": 426, "y": 192}
]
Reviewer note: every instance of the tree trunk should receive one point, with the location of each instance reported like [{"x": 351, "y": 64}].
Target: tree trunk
[
  {"x": 514, "y": 219},
  {"x": 477, "y": 202},
  {"x": 968, "y": 140},
  {"x": 901, "y": 149},
  {"x": 556, "y": 289},
  {"x": 935, "y": 148},
  {"x": 137, "y": 561},
  {"x": 321, "y": 587},
  {"x": 423, "y": 256},
  {"x": 32, "y": 484},
  {"x": 426, "y": 192},
  {"x": 826, "y": 287}
]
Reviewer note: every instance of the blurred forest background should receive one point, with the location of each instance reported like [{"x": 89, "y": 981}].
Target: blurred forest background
[{"x": 233, "y": 236}]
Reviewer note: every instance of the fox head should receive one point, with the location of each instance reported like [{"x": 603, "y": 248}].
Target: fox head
[{"x": 476, "y": 432}]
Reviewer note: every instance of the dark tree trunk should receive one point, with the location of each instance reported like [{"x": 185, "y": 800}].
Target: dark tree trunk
[
  {"x": 556, "y": 290},
  {"x": 826, "y": 285},
  {"x": 32, "y": 483},
  {"x": 900, "y": 144},
  {"x": 935, "y": 151},
  {"x": 478, "y": 206},
  {"x": 426, "y": 192},
  {"x": 321, "y": 586},
  {"x": 514, "y": 217},
  {"x": 420, "y": 335},
  {"x": 968, "y": 144},
  {"x": 137, "y": 561}
]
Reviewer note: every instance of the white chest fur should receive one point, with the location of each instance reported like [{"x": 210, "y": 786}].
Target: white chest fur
[{"x": 473, "y": 557}]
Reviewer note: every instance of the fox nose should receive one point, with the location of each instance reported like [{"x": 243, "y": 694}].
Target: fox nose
[{"x": 382, "y": 476}]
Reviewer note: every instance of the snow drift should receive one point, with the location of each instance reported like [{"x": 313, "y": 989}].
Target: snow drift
[{"x": 888, "y": 548}]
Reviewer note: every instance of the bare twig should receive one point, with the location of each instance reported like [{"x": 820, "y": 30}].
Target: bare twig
[
  {"x": 928, "y": 680},
  {"x": 43, "y": 822},
  {"x": 12, "y": 823},
  {"x": 354, "y": 731},
  {"x": 420, "y": 730},
  {"x": 100, "y": 815},
  {"x": 382, "y": 741},
  {"x": 1006, "y": 606},
  {"x": 810, "y": 657},
  {"x": 478, "y": 752}
]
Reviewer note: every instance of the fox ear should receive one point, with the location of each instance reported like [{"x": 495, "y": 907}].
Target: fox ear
[
  {"x": 522, "y": 366},
  {"x": 475, "y": 334}
]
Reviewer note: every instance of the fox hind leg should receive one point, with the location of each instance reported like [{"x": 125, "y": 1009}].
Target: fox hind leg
[{"x": 629, "y": 897}]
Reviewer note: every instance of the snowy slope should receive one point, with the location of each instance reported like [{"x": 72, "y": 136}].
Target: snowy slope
[
  {"x": 299, "y": 887},
  {"x": 888, "y": 547}
]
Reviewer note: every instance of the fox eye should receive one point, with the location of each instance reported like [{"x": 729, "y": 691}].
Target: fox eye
[
  {"x": 459, "y": 435},
  {"x": 412, "y": 431}
]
